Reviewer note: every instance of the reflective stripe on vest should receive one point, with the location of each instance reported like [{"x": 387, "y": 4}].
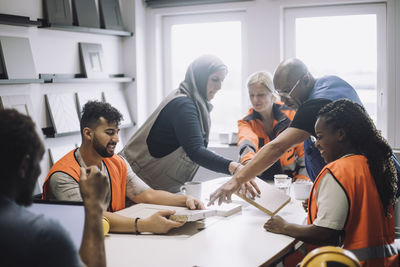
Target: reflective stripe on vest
[
  {"x": 246, "y": 144},
  {"x": 384, "y": 251},
  {"x": 249, "y": 145}
]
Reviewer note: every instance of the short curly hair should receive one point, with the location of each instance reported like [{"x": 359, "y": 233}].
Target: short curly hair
[
  {"x": 93, "y": 110},
  {"x": 18, "y": 138}
]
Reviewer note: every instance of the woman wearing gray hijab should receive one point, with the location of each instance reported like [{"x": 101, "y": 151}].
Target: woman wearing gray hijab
[{"x": 171, "y": 145}]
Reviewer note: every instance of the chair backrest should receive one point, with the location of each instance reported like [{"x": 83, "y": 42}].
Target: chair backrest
[{"x": 71, "y": 215}]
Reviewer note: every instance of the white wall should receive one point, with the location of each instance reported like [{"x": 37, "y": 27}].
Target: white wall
[{"x": 57, "y": 52}]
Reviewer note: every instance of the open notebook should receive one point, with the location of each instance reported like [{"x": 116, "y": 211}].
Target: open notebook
[
  {"x": 71, "y": 215},
  {"x": 182, "y": 214},
  {"x": 271, "y": 199}
]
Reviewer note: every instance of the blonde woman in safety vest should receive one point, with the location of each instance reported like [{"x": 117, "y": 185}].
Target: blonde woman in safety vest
[{"x": 264, "y": 121}]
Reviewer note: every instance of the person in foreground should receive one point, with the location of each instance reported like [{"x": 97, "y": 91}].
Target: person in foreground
[
  {"x": 168, "y": 149},
  {"x": 300, "y": 90},
  {"x": 99, "y": 131},
  {"x": 264, "y": 122},
  {"x": 351, "y": 202},
  {"x": 27, "y": 239}
]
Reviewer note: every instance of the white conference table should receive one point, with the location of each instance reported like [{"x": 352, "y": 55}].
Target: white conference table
[{"x": 237, "y": 240}]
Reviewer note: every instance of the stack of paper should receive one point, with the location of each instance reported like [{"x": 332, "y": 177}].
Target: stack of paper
[
  {"x": 226, "y": 209},
  {"x": 182, "y": 214},
  {"x": 191, "y": 215}
]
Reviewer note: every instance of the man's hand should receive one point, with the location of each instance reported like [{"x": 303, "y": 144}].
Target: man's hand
[
  {"x": 249, "y": 187},
  {"x": 158, "y": 223},
  {"x": 194, "y": 204},
  {"x": 275, "y": 225},
  {"x": 92, "y": 184},
  {"x": 224, "y": 193}
]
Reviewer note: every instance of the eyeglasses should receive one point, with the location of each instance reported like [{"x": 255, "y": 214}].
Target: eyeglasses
[{"x": 289, "y": 95}]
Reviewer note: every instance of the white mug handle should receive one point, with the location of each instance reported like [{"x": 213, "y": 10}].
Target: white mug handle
[{"x": 182, "y": 188}]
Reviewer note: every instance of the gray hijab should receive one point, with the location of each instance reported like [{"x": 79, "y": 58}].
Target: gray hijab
[{"x": 195, "y": 87}]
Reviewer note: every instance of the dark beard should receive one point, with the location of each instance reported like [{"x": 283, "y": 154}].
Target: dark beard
[{"x": 101, "y": 150}]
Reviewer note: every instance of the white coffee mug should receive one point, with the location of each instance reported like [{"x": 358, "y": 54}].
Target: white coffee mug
[
  {"x": 301, "y": 189},
  {"x": 192, "y": 188}
]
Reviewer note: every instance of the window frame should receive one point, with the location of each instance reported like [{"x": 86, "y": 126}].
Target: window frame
[
  {"x": 206, "y": 17},
  {"x": 168, "y": 21},
  {"x": 384, "y": 101}
]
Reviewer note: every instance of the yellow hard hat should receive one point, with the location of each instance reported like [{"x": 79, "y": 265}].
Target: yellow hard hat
[
  {"x": 323, "y": 256},
  {"x": 106, "y": 225}
]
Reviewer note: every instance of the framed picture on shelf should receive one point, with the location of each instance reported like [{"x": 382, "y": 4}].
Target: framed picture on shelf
[
  {"x": 110, "y": 15},
  {"x": 22, "y": 103},
  {"x": 57, "y": 152},
  {"x": 17, "y": 58},
  {"x": 85, "y": 13},
  {"x": 92, "y": 60},
  {"x": 63, "y": 114},
  {"x": 83, "y": 97},
  {"x": 57, "y": 12},
  {"x": 3, "y": 74},
  {"x": 116, "y": 99}
]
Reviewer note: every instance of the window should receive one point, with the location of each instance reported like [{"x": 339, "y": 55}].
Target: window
[
  {"x": 188, "y": 37},
  {"x": 348, "y": 41}
]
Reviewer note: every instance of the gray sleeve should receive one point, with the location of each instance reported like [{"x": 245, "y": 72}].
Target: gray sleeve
[
  {"x": 64, "y": 187},
  {"x": 134, "y": 185}
]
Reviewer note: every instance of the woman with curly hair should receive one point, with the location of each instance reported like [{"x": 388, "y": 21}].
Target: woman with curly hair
[{"x": 351, "y": 202}]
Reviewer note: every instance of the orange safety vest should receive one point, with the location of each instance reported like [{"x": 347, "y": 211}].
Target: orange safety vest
[
  {"x": 368, "y": 233},
  {"x": 252, "y": 137},
  {"x": 116, "y": 168}
]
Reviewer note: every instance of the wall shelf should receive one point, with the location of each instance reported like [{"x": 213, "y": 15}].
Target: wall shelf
[
  {"x": 49, "y": 132},
  {"x": 20, "y": 81},
  {"x": 23, "y": 21},
  {"x": 79, "y": 78},
  {"x": 71, "y": 28},
  {"x": 45, "y": 79},
  {"x": 18, "y": 21}
]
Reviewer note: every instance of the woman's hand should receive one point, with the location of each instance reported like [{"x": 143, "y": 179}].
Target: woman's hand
[
  {"x": 234, "y": 167},
  {"x": 275, "y": 225},
  {"x": 194, "y": 204},
  {"x": 158, "y": 223}
]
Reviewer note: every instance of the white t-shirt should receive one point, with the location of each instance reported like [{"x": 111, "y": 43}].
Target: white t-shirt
[
  {"x": 63, "y": 187},
  {"x": 332, "y": 204}
]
